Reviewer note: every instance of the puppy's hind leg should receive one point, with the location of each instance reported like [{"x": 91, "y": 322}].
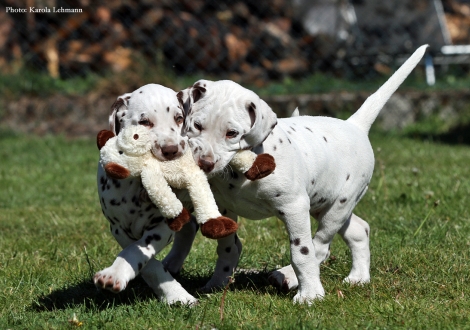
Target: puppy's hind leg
[
  {"x": 182, "y": 243},
  {"x": 229, "y": 250},
  {"x": 355, "y": 233}
]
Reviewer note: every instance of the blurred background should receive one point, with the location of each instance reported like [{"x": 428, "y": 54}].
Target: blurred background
[{"x": 64, "y": 62}]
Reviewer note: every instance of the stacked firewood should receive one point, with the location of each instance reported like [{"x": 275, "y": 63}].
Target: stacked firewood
[{"x": 246, "y": 40}]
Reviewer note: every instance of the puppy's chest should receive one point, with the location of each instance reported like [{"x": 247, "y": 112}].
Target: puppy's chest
[{"x": 122, "y": 205}]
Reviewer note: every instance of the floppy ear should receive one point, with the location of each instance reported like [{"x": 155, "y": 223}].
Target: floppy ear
[
  {"x": 263, "y": 120},
  {"x": 103, "y": 137},
  {"x": 184, "y": 101},
  {"x": 121, "y": 101}
]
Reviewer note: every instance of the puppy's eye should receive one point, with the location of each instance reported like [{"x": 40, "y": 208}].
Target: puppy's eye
[
  {"x": 198, "y": 126},
  {"x": 145, "y": 122},
  {"x": 231, "y": 134},
  {"x": 179, "y": 119}
]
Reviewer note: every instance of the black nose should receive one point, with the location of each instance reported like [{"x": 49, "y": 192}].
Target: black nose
[
  {"x": 206, "y": 165},
  {"x": 169, "y": 152}
]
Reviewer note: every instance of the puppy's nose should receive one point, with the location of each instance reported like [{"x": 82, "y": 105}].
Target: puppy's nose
[
  {"x": 169, "y": 152},
  {"x": 206, "y": 165}
]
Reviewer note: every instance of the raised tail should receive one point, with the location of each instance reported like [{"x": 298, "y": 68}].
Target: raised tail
[{"x": 368, "y": 112}]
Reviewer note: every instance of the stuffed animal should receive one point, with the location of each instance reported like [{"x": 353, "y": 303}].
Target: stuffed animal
[{"x": 128, "y": 155}]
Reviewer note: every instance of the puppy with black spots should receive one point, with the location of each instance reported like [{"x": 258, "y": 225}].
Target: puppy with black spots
[{"x": 136, "y": 223}]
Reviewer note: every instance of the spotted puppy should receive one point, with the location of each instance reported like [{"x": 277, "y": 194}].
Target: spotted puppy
[
  {"x": 136, "y": 223},
  {"x": 323, "y": 168}
]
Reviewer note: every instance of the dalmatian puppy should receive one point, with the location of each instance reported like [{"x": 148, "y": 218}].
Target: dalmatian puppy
[
  {"x": 324, "y": 166},
  {"x": 136, "y": 223}
]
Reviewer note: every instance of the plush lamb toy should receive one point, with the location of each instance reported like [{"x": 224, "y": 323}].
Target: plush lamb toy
[{"x": 128, "y": 155}]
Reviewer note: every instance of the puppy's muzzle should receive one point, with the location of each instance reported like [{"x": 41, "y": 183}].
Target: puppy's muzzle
[
  {"x": 170, "y": 151},
  {"x": 206, "y": 164}
]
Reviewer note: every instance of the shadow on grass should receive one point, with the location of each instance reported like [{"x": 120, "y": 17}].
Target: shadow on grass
[
  {"x": 456, "y": 135},
  {"x": 86, "y": 294}
]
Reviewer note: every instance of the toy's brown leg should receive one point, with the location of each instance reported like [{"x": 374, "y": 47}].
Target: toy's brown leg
[
  {"x": 263, "y": 166},
  {"x": 219, "y": 227},
  {"x": 177, "y": 223}
]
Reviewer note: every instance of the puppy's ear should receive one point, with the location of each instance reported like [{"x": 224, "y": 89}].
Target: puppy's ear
[
  {"x": 263, "y": 120},
  {"x": 184, "y": 101},
  {"x": 121, "y": 101},
  {"x": 198, "y": 90},
  {"x": 103, "y": 137}
]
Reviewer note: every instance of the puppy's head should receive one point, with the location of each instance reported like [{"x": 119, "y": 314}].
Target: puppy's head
[
  {"x": 156, "y": 108},
  {"x": 222, "y": 118}
]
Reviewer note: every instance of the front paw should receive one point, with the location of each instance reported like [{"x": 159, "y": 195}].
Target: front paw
[
  {"x": 177, "y": 223},
  {"x": 110, "y": 280},
  {"x": 263, "y": 166},
  {"x": 219, "y": 227}
]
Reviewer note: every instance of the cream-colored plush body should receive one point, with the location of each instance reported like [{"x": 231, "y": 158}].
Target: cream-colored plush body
[{"x": 131, "y": 150}]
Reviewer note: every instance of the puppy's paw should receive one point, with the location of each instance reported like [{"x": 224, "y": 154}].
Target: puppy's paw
[
  {"x": 263, "y": 166},
  {"x": 177, "y": 223},
  {"x": 219, "y": 227},
  {"x": 284, "y": 279},
  {"x": 109, "y": 280}
]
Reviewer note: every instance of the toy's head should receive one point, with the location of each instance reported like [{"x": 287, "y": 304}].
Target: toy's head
[{"x": 121, "y": 156}]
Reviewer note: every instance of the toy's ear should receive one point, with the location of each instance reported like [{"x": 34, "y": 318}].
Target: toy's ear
[
  {"x": 103, "y": 137},
  {"x": 116, "y": 171},
  {"x": 263, "y": 120},
  {"x": 121, "y": 101}
]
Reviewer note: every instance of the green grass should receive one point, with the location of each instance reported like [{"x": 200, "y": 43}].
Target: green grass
[{"x": 54, "y": 237}]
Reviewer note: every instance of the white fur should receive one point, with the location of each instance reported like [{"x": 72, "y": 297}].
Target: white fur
[{"x": 323, "y": 169}]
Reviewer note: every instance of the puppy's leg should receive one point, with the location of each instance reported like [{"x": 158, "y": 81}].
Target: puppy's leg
[
  {"x": 184, "y": 238},
  {"x": 134, "y": 256},
  {"x": 164, "y": 285},
  {"x": 355, "y": 233},
  {"x": 303, "y": 253},
  {"x": 228, "y": 251}
]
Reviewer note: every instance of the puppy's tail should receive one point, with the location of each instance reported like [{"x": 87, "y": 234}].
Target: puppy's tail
[{"x": 368, "y": 112}]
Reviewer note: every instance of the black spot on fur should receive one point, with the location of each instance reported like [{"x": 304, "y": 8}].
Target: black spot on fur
[
  {"x": 308, "y": 129},
  {"x": 289, "y": 141},
  {"x": 293, "y": 128},
  {"x": 274, "y": 148},
  {"x": 124, "y": 200},
  {"x": 116, "y": 183},
  {"x": 342, "y": 201},
  {"x": 289, "y": 132},
  {"x": 280, "y": 212},
  {"x": 157, "y": 237},
  {"x": 116, "y": 231},
  {"x": 108, "y": 186},
  {"x": 324, "y": 138},
  {"x": 231, "y": 186},
  {"x": 226, "y": 269},
  {"x": 148, "y": 208},
  {"x": 114, "y": 202},
  {"x": 313, "y": 181},
  {"x": 224, "y": 212},
  {"x": 228, "y": 249},
  {"x": 322, "y": 200},
  {"x": 304, "y": 250},
  {"x": 148, "y": 240},
  {"x": 347, "y": 178},
  {"x": 140, "y": 266},
  {"x": 296, "y": 242},
  {"x": 278, "y": 194},
  {"x": 234, "y": 175},
  {"x": 103, "y": 202},
  {"x": 280, "y": 140},
  {"x": 167, "y": 109},
  {"x": 140, "y": 92}
]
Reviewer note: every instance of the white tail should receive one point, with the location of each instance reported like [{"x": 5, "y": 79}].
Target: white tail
[{"x": 368, "y": 112}]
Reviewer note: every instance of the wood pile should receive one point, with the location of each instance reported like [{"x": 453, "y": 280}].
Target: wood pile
[{"x": 244, "y": 40}]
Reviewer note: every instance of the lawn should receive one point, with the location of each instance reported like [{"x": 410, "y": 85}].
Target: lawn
[{"x": 54, "y": 237}]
